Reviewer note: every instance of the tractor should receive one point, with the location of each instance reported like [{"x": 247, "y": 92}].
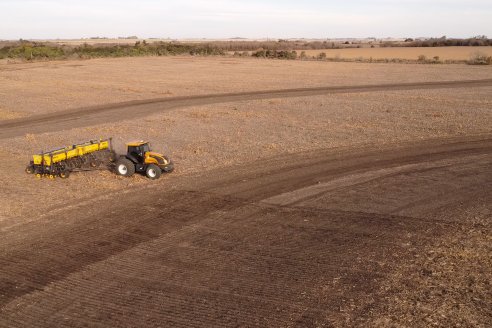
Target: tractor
[{"x": 139, "y": 158}]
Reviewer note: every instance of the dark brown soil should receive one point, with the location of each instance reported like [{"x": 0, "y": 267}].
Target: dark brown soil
[{"x": 317, "y": 239}]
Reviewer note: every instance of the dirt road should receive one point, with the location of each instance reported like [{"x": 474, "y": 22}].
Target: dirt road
[
  {"x": 334, "y": 237},
  {"x": 129, "y": 110}
]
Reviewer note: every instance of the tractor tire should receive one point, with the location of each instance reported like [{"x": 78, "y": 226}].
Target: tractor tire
[
  {"x": 153, "y": 172},
  {"x": 30, "y": 169},
  {"x": 170, "y": 167},
  {"x": 125, "y": 167},
  {"x": 64, "y": 174},
  {"x": 94, "y": 163}
]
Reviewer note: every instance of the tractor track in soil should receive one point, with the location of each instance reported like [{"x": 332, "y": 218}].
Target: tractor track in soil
[
  {"x": 300, "y": 240},
  {"x": 82, "y": 117}
]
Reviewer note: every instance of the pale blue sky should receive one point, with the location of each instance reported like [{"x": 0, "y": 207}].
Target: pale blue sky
[{"x": 253, "y": 18}]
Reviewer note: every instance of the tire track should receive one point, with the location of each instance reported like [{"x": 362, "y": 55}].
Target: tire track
[{"x": 88, "y": 116}]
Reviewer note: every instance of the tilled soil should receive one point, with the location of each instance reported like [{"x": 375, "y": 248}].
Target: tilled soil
[
  {"x": 320, "y": 209},
  {"x": 128, "y": 110},
  {"x": 205, "y": 137},
  {"x": 325, "y": 238}
]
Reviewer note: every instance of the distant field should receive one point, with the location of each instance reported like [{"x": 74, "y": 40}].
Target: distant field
[{"x": 444, "y": 53}]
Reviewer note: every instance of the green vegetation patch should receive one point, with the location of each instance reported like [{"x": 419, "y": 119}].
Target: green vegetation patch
[{"x": 33, "y": 50}]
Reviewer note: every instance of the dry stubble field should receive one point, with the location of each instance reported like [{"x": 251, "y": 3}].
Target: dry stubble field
[
  {"x": 208, "y": 137},
  {"x": 408, "y": 53},
  {"x": 44, "y": 87}
]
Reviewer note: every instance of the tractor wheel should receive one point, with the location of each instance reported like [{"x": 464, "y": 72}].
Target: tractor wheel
[
  {"x": 170, "y": 167},
  {"x": 153, "y": 172},
  {"x": 64, "y": 174},
  {"x": 30, "y": 169},
  {"x": 125, "y": 167}
]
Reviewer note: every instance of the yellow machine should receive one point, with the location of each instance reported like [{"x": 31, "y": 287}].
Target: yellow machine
[
  {"x": 61, "y": 162},
  {"x": 64, "y": 154},
  {"x": 99, "y": 154},
  {"x": 140, "y": 158}
]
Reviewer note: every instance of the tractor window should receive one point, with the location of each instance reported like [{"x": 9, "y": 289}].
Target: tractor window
[
  {"x": 145, "y": 147},
  {"x": 133, "y": 150}
]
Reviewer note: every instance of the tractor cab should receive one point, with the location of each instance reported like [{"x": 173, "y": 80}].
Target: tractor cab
[
  {"x": 137, "y": 150},
  {"x": 140, "y": 158}
]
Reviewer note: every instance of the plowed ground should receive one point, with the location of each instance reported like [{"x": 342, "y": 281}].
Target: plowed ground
[{"x": 329, "y": 238}]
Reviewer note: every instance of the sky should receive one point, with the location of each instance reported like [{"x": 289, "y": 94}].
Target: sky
[{"x": 51, "y": 19}]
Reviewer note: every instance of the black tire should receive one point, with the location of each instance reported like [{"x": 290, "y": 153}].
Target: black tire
[
  {"x": 153, "y": 172},
  {"x": 64, "y": 174},
  {"x": 125, "y": 167},
  {"x": 30, "y": 169},
  {"x": 170, "y": 167}
]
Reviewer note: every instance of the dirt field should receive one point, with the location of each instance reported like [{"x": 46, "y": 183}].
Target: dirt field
[
  {"x": 320, "y": 239},
  {"x": 360, "y": 207},
  {"x": 35, "y": 88},
  {"x": 444, "y": 53}
]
